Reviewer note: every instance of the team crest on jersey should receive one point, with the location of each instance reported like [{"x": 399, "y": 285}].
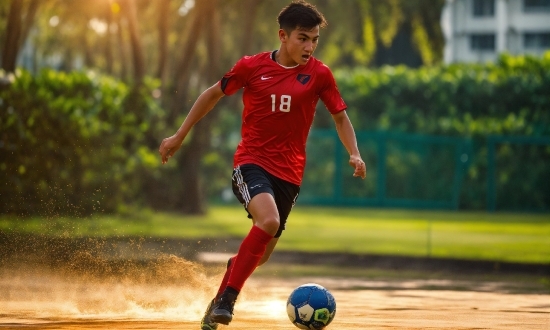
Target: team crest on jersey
[{"x": 303, "y": 78}]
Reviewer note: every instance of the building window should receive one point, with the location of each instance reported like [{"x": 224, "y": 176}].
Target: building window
[
  {"x": 484, "y": 8},
  {"x": 536, "y": 40},
  {"x": 484, "y": 42},
  {"x": 536, "y": 5}
]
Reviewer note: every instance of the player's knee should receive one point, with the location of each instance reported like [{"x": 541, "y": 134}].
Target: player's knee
[{"x": 270, "y": 224}]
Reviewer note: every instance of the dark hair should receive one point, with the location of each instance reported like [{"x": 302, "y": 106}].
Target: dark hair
[{"x": 300, "y": 15}]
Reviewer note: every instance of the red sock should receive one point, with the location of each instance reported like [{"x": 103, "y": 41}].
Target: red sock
[
  {"x": 250, "y": 253},
  {"x": 230, "y": 265}
]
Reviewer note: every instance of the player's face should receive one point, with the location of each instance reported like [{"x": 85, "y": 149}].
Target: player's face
[{"x": 301, "y": 44}]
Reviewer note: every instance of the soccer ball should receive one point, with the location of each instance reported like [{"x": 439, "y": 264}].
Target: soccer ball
[{"x": 311, "y": 306}]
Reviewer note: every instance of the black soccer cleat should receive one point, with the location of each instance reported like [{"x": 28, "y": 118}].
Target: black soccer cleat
[
  {"x": 206, "y": 322},
  {"x": 223, "y": 309}
]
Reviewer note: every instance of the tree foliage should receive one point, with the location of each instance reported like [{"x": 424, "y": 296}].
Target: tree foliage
[
  {"x": 508, "y": 97},
  {"x": 72, "y": 143}
]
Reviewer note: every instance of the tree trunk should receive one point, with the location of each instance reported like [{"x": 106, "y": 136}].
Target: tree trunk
[
  {"x": 192, "y": 200},
  {"x": 135, "y": 41},
  {"x": 163, "y": 29},
  {"x": 251, "y": 10},
  {"x": 193, "y": 197},
  {"x": 87, "y": 49},
  {"x": 123, "y": 73},
  {"x": 13, "y": 35},
  {"x": 28, "y": 22},
  {"x": 213, "y": 42},
  {"x": 108, "y": 36},
  {"x": 188, "y": 52}
]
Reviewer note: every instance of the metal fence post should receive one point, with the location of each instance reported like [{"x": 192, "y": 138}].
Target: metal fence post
[{"x": 381, "y": 140}]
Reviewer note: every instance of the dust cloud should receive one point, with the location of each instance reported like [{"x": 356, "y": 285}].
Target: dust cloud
[{"x": 48, "y": 279}]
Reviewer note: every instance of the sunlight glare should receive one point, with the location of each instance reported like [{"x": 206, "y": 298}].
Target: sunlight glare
[
  {"x": 275, "y": 308},
  {"x": 185, "y": 7},
  {"x": 265, "y": 309},
  {"x": 54, "y": 21},
  {"x": 99, "y": 26}
]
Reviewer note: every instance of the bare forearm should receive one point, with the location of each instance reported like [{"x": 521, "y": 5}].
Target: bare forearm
[
  {"x": 347, "y": 136},
  {"x": 204, "y": 103},
  {"x": 346, "y": 133}
]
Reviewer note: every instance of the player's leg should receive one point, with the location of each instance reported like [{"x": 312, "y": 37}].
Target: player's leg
[
  {"x": 254, "y": 246},
  {"x": 265, "y": 216},
  {"x": 285, "y": 197},
  {"x": 230, "y": 263},
  {"x": 285, "y": 194},
  {"x": 229, "y": 268},
  {"x": 264, "y": 212},
  {"x": 268, "y": 250},
  {"x": 268, "y": 203},
  {"x": 251, "y": 186},
  {"x": 206, "y": 322}
]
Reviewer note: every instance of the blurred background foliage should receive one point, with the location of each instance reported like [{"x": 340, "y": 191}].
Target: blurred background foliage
[{"x": 90, "y": 88}]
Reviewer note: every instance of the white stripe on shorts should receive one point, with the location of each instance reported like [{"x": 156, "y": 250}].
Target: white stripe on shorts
[{"x": 243, "y": 188}]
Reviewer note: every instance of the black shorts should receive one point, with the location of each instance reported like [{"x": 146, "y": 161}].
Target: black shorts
[{"x": 250, "y": 180}]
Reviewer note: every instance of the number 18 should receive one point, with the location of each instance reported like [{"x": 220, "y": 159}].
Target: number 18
[{"x": 284, "y": 105}]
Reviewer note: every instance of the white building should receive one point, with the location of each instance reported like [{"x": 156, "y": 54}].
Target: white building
[{"x": 478, "y": 30}]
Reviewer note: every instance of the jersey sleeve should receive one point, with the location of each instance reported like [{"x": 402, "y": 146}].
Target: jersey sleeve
[
  {"x": 235, "y": 79},
  {"x": 329, "y": 94}
]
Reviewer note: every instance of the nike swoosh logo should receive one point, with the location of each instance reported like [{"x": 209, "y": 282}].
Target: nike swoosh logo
[{"x": 265, "y": 78}]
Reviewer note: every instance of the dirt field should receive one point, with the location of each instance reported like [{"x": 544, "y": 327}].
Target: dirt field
[{"x": 171, "y": 293}]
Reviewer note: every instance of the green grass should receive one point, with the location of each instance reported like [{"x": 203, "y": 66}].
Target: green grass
[{"x": 465, "y": 235}]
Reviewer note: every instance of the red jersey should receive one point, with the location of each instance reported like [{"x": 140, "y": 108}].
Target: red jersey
[{"x": 279, "y": 105}]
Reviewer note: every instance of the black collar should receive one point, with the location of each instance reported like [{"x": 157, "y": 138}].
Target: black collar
[{"x": 273, "y": 55}]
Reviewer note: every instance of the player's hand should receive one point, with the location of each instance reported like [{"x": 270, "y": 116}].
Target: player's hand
[
  {"x": 168, "y": 147},
  {"x": 359, "y": 165}
]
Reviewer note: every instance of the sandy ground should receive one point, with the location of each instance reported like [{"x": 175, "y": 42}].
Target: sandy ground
[{"x": 172, "y": 293}]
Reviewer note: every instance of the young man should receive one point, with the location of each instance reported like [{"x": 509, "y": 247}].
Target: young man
[{"x": 281, "y": 90}]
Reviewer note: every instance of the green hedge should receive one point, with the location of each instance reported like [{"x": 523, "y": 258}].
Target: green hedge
[
  {"x": 469, "y": 100},
  {"x": 73, "y": 143},
  {"x": 510, "y": 97}
]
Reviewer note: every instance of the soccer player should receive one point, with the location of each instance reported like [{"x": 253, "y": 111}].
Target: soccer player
[{"x": 281, "y": 90}]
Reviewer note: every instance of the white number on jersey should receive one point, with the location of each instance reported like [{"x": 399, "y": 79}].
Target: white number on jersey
[{"x": 284, "y": 105}]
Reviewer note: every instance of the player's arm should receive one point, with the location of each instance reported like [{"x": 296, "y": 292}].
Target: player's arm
[
  {"x": 346, "y": 133},
  {"x": 204, "y": 103}
]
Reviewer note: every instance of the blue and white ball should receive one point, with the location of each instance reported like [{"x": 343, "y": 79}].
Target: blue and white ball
[{"x": 311, "y": 306}]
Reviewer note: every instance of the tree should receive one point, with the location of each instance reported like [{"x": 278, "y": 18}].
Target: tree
[
  {"x": 129, "y": 7},
  {"x": 373, "y": 32},
  {"x": 193, "y": 199},
  {"x": 163, "y": 25},
  {"x": 19, "y": 22}
]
